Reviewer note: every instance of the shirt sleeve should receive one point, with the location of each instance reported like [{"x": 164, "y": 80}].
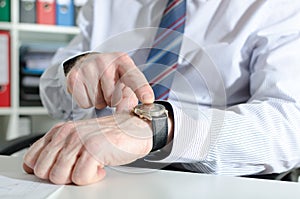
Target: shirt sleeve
[
  {"x": 259, "y": 136},
  {"x": 54, "y": 95}
]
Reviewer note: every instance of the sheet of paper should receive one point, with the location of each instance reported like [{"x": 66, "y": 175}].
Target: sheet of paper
[{"x": 11, "y": 188}]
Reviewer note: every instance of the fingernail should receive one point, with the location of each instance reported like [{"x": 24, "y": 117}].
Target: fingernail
[{"x": 147, "y": 98}]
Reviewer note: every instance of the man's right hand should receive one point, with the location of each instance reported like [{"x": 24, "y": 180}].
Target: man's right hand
[{"x": 108, "y": 79}]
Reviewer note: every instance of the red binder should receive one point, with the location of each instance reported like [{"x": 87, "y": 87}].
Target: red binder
[
  {"x": 45, "y": 12},
  {"x": 4, "y": 69}
]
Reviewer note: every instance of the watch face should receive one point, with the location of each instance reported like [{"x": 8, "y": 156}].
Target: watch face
[{"x": 149, "y": 110}]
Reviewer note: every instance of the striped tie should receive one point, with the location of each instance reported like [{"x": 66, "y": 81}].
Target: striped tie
[{"x": 163, "y": 57}]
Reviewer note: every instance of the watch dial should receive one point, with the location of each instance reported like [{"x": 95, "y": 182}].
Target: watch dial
[{"x": 152, "y": 109}]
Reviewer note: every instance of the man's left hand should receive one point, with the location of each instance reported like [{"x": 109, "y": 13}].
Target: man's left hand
[{"x": 77, "y": 152}]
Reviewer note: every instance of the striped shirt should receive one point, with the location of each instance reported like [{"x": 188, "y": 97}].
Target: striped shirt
[{"x": 235, "y": 95}]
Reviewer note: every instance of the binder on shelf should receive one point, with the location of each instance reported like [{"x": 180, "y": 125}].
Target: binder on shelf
[
  {"x": 65, "y": 12},
  {"x": 4, "y": 69},
  {"x": 28, "y": 11},
  {"x": 29, "y": 81},
  {"x": 78, "y": 4},
  {"x": 4, "y": 10},
  {"x": 35, "y": 57},
  {"x": 36, "y": 63},
  {"x": 45, "y": 12}
]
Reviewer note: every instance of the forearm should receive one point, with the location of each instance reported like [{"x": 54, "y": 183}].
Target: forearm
[{"x": 236, "y": 141}]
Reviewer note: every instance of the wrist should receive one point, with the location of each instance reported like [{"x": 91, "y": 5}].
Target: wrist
[
  {"x": 70, "y": 63},
  {"x": 170, "y": 128},
  {"x": 169, "y": 108},
  {"x": 160, "y": 116}
]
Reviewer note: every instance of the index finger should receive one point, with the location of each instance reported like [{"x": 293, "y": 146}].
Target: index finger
[{"x": 132, "y": 77}]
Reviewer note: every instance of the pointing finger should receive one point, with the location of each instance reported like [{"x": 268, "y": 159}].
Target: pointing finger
[{"x": 132, "y": 77}]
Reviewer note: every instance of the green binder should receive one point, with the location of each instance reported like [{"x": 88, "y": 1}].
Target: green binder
[{"x": 4, "y": 10}]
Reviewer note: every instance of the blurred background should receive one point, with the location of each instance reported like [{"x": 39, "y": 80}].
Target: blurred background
[{"x": 30, "y": 33}]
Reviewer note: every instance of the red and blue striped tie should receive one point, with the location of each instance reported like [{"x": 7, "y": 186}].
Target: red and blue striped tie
[{"x": 163, "y": 57}]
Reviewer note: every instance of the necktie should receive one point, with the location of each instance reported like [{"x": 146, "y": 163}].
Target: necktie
[{"x": 163, "y": 56}]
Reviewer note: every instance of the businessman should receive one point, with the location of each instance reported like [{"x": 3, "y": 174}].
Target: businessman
[{"x": 216, "y": 81}]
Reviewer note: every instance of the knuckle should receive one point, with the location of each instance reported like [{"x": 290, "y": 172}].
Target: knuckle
[
  {"x": 59, "y": 124},
  {"x": 120, "y": 54},
  {"x": 63, "y": 131},
  {"x": 123, "y": 57},
  {"x": 73, "y": 139},
  {"x": 99, "y": 58},
  {"x": 108, "y": 73},
  {"x": 71, "y": 78},
  {"x": 99, "y": 64},
  {"x": 56, "y": 127}
]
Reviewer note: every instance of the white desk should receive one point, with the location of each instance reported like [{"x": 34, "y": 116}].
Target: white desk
[{"x": 163, "y": 184}]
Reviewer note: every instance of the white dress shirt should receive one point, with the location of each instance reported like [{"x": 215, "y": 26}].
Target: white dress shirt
[{"x": 235, "y": 95}]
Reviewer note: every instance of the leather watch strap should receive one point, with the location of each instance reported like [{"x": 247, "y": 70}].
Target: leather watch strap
[{"x": 160, "y": 131}]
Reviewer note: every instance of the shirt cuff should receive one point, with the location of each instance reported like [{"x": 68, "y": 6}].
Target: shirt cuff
[
  {"x": 69, "y": 63},
  {"x": 190, "y": 140}
]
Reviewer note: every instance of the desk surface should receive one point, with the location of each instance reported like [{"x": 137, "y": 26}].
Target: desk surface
[{"x": 122, "y": 182}]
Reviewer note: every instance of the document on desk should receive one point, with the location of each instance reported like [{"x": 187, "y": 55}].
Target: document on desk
[{"x": 11, "y": 188}]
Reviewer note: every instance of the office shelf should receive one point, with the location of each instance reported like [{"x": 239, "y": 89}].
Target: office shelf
[
  {"x": 5, "y": 26},
  {"x": 5, "y": 111},
  {"x": 10, "y": 117},
  {"x": 47, "y": 29},
  {"x": 32, "y": 111}
]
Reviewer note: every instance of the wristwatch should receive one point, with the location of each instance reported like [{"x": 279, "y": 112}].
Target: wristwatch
[{"x": 158, "y": 115}]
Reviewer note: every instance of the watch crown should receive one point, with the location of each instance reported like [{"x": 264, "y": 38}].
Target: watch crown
[{"x": 142, "y": 114}]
